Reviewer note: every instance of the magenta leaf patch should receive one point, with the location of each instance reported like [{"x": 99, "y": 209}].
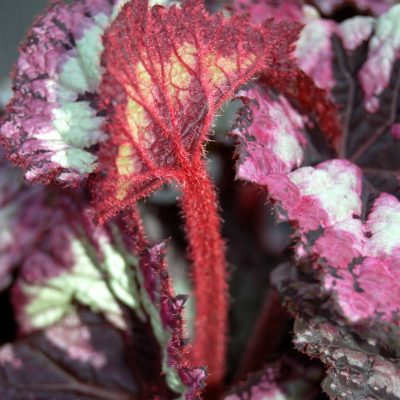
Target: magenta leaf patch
[
  {"x": 344, "y": 58},
  {"x": 357, "y": 260},
  {"x": 269, "y": 131}
]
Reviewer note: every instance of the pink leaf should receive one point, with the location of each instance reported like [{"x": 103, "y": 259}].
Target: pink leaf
[
  {"x": 357, "y": 261},
  {"x": 343, "y": 203},
  {"x": 269, "y": 131}
]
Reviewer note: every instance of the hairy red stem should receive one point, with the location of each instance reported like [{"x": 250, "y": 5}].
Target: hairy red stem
[{"x": 207, "y": 253}]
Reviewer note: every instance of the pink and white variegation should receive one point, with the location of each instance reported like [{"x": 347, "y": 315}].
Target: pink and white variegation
[
  {"x": 341, "y": 197},
  {"x": 269, "y": 131},
  {"x": 359, "y": 260}
]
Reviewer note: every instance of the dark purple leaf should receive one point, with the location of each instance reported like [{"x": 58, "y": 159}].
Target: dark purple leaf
[
  {"x": 376, "y": 7},
  {"x": 81, "y": 357},
  {"x": 361, "y": 359},
  {"x": 287, "y": 379}
]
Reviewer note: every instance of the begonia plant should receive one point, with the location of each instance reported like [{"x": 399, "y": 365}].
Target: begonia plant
[{"x": 199, "y": 196}]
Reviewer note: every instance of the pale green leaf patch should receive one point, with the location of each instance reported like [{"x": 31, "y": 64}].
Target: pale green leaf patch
[{"x": 100, "y": 285}]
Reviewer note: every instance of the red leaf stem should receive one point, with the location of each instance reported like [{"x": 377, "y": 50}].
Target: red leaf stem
[{"x": 206, "y": 250}]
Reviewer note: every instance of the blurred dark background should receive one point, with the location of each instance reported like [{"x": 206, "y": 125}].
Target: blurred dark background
[{"x": 15, "y": 19}]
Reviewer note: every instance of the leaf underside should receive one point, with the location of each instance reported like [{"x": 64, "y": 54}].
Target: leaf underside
[{"x": 164, "y": 87}]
